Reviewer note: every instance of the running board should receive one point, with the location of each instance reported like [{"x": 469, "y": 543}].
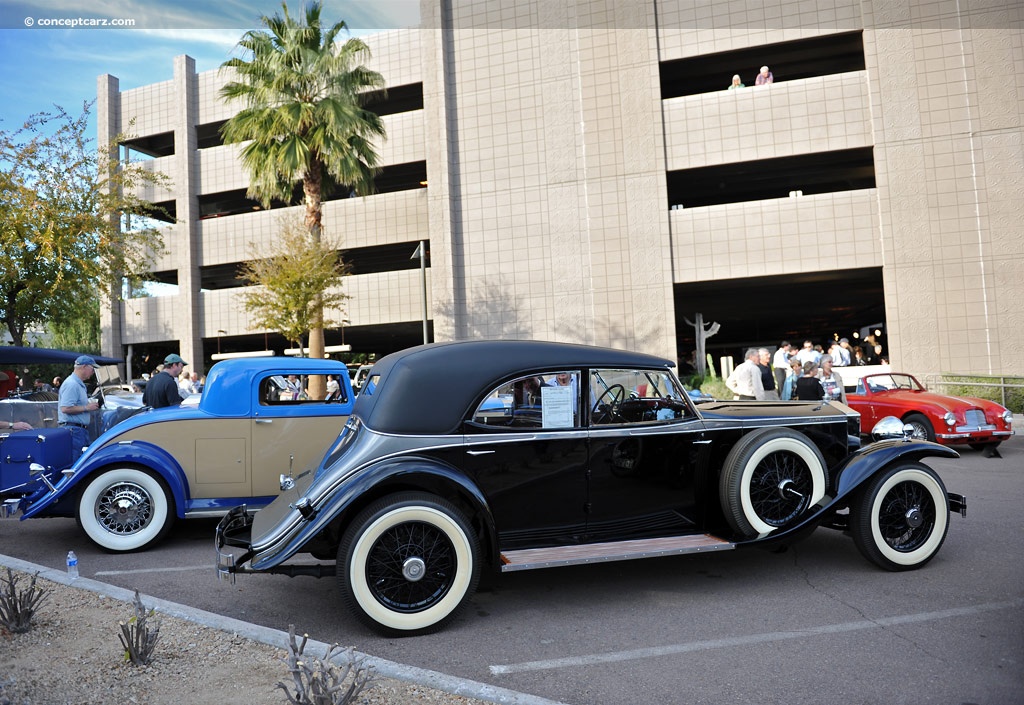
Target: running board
[{"x": 530, "y": 558}]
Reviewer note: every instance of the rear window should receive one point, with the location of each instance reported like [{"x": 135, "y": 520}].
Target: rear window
[{"x": 286, "y": 389}]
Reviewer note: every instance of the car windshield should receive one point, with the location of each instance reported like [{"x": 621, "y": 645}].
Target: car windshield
[{"x": 885, "y": 383}]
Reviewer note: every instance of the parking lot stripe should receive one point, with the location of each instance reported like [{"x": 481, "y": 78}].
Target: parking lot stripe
[
  {"x": 652, "y": 652},
  {"x": 154, "y": 570}
]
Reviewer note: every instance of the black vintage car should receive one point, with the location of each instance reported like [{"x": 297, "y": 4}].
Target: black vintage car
[{"x": 512, "y": 455}]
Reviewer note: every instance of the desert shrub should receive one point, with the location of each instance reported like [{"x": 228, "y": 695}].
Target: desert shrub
[
  {"x": 17, "y": 606},
  {"x": 137, "y": 636},
  {"x": 322, "y": 681}
]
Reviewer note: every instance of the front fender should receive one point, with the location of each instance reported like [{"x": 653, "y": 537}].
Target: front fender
[
  {"x": 132, "y": 453},
  {"x": 856, "y": 469},
  {"x": 277, "y": 543},
  {"x": 859, "y": 466}
]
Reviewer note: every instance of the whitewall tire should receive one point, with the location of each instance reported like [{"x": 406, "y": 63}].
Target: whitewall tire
[
  {"x": 124, "y": 509},
  {"x": 407, "y": 564}
]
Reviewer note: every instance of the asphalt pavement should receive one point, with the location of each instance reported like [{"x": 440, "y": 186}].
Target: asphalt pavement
[
  {"x": 815, "y": 624},
  {"x": 279, "y": 639}
]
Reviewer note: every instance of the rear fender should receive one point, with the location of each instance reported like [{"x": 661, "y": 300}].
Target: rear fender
[
  {"x": 401, "y": 473},
  {"x": 138, "y": 453}
]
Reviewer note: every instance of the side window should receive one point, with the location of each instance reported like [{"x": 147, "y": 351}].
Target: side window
[
  {"x": 635, "y": 397},
  {"x": 282, "y": 389},
  {"x": 534, "y": 401}
]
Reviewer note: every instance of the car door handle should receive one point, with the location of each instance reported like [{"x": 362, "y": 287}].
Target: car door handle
[
  {"x": 479, "y": 452},
  {"x": 264, "y": 421}
]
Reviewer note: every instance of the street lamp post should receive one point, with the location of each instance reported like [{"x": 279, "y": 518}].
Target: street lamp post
[{"x": 421, "y": 251}]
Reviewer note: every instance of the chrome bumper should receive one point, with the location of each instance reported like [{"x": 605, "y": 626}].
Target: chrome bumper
[
  {"x": 9, "y": 507},
  {"x": 957, "y": 503},
  {"x": 234, "y": 530}
]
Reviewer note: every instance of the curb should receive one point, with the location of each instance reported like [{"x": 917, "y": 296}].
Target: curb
[{"x": 279, "y": 639}]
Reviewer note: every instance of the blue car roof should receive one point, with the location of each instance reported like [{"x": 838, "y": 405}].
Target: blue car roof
[{"x": 229, "y": 383}]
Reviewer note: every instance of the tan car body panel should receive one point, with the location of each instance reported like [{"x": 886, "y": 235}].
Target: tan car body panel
[{"x": 217, "y": 455}]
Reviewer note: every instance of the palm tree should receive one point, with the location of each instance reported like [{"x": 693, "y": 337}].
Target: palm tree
[{"x": 304, "y": 116}]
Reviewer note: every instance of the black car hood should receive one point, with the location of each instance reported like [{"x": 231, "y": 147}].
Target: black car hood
[{"x": 732, "y": 410}]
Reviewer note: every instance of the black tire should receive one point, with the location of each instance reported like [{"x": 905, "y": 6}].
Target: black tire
[
  {"x": 900, "y": 517},
  {"x": 923, "y": 430},
  {"x": 985, "y": 446},
  {"x": 125, "y": 509},
  {"x": 408, "y": 564},
  {"x": 771, "y": 478}
]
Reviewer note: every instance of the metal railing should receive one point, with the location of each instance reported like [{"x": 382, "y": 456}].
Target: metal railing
[{"x": 1008, "y": 390}]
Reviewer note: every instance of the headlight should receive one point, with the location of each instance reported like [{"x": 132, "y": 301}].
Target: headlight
[
  {"x": 1008, "y": 417},
  {"x": 950, "y": 418},
  {"x": 890, "y": 427}
]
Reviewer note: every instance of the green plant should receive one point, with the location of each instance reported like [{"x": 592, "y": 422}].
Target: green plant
[
  {"x": 17, "y": 607},
  {"x": 715, "y": 386},
  {"x": 1008, "y": 391},
  {"x": 322, "y": 681},
  {"x": 137, "y": 636}
]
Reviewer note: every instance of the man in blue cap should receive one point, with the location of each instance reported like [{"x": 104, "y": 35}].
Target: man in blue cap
[
  {"x": 74, "y": 405},
  {"x": 162, "y": 388}
]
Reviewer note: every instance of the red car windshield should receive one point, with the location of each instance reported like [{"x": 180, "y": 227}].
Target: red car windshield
[{"x": 890, "y": 382}]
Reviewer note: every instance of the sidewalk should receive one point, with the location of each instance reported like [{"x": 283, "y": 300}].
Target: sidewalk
[{"x": 279, "y": 639}]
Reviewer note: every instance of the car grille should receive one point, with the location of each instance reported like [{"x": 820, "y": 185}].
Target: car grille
[
  {"x": 974, "y": 417},
  {"x": 974, "y": 420}
]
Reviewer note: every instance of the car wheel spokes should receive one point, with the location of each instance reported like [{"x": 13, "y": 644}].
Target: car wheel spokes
[
  {"x": 906, "y": 517},
  {"x": 780, "y": 488},
  {"x": 411, "y": 567},
  {"x": 124, "y": 508}
]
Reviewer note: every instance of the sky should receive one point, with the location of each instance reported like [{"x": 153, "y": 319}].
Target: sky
[{"x": 46, "y": 64}]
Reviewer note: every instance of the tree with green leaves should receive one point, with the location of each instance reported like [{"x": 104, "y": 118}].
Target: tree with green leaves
[
  {"x": 304, "y": 117},
  {"x": 61, "y": 208},
  {"x": 290, "y": 281}
]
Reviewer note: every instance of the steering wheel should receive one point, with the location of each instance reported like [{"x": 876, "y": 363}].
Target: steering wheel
[{"x": 615, "y": 393}]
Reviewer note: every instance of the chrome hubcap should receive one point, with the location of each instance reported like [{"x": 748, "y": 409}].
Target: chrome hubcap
[
  {"x": 914, "y": 517},
  {"x": 414, "y": 569},
  {"x": 124, "y": 508}
]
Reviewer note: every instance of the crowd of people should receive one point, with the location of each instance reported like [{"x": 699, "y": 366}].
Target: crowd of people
[{"x": 807, "y": 373}]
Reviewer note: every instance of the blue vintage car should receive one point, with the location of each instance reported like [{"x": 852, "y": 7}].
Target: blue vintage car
[
  {"x": 497, "y": 456},
  {"x": 249, "y": 431}
]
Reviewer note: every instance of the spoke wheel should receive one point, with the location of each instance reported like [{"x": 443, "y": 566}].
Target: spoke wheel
[
  {"x": 900, "y": 518},
  {"x": 408, "y": 564},
  {"x": 922, "y": 427},
  {"x": 770, "y": 479},
  {"x": 124, "y": 509}
]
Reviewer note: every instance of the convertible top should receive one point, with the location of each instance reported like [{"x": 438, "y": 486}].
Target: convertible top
[
  {"x": 14, "y": 355},
  {"x": 429, "y": 389}
]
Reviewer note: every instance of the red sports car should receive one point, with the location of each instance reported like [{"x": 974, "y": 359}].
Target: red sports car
[{"x": 935, "y": 417}]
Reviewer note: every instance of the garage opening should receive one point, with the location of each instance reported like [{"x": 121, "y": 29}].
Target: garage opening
[{"x": 762, "y": 311}]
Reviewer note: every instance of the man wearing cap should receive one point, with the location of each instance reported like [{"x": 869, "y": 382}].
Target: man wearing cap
[
  {"x": 73, "y": 403},
  {"x": 162, "y": 388}
]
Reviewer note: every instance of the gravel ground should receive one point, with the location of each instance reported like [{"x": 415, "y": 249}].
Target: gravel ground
[{"x": 72, "y": 654}]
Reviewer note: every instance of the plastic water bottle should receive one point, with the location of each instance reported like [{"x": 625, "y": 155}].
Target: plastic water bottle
[{"x": 72, "y": 565}]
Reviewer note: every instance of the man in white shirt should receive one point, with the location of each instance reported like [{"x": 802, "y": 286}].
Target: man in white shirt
[
  {"x": 845, "y": 354},
  {"x": 808, "y": 354},
  {"x": 780, "y": 363},
  {"x": 745, "y": 380}
]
